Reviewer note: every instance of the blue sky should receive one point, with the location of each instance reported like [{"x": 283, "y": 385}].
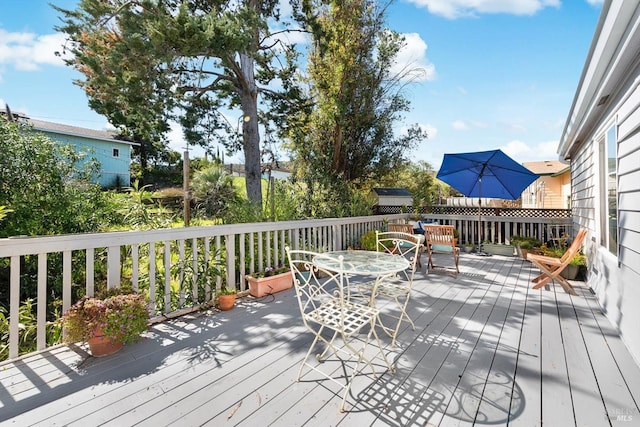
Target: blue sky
[{"x": 498, "y": 73}]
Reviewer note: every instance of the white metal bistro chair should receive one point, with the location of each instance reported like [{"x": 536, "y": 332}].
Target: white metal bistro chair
[
  {"x": 397, "y": 286},
  {"x": 325, "y": 307}
]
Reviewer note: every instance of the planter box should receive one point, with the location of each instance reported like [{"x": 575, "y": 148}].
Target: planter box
[
  {"x": 506, "y": 250},
  {"x": 570, "y": 272},
  {"x": 269, "y": 285}
]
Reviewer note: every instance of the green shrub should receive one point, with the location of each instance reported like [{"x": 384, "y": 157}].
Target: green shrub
[
  {"x": 47, "y": 185},
  {"x": 368, "y": 240},
  {"x": 27, "y": 332},
  {"x": 525, "y": 242},
  {"x": 579, "y": 260}
]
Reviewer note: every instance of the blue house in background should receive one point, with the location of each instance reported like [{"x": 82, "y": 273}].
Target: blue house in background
[{"x": 114, "y": 155}]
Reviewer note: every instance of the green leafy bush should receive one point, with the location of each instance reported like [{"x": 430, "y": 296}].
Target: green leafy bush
[
  {"x": 27, "y": 332},
  {"x": 368, "y": 240},
  {"x": 46, "y": 186},
  {"x": 526, "y": 242}
]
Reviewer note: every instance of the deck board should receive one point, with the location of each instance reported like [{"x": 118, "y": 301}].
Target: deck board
[
  {"x": 526, "y": 394},
  {"x": 487, "y": 349}
]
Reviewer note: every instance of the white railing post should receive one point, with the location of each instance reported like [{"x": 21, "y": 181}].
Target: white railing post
[
  {"x": 230, "y": 244},
  {"x": 113, "y": 267}
]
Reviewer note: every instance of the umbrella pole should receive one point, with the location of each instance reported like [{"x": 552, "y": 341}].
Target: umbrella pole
[
  {"x": 480, "y": 251},
  {"x": 479, "y": 225}
]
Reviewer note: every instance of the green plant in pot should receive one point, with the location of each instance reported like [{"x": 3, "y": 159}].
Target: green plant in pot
[
  {"x": 524, "y": 245},
  {"x": 106, "y": 323},
  {"x": 227, "y": 297},
  {"x": 368, "y": 240}
]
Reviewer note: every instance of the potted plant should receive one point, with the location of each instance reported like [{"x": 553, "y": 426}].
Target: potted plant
[
  {"x": 106, "y": 323},
  {"x": 468, "y": 247},
  {"x": 525, "y": 245},
  {"x": 269, "y": 281},
  {"x": 227, "y": 298},
  {"x": 498, "y": 248},
  {"x": 368, "y": 241},
  {"x": 571, "y": 271}
]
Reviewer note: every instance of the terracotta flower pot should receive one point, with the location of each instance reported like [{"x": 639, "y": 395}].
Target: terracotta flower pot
[
  {"x": 226, "y": 302},
  {"x": 259, "y": 287},
  {"x": 101, "y": 345}
]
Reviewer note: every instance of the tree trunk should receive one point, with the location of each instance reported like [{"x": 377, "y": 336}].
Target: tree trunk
[
  {"x": 250, "y": 135},
  {"x": 249, "y": 103}
]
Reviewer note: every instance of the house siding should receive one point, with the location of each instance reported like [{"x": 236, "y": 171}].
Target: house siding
[
  {"x": 614, "y": 279},
  {"x": 113, "y": 170}
]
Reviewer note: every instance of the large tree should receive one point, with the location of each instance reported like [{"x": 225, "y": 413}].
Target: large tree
[
  {"x": 148, "y": 61},
  {"x": 348, "y": 137}
]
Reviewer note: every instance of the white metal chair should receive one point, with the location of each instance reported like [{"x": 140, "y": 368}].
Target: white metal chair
[
  {"x": 408, "y": 229},
  {"x": 398, "y": 286},
  {"x": 324, "y": 306}
]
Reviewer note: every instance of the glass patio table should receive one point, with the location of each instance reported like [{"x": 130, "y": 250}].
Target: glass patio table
[
  {"x": 380, "y": 265},
  {"x": 366, "y": 263}
]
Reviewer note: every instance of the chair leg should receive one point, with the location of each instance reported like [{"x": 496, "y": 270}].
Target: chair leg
[
  {"x": 566, "y": 285},
  {"x": 537, "y": 278},
  {"x": 542, "y": 283},
  {"x": 556, "y": 277},
  {"x": 404, "y": 316}
]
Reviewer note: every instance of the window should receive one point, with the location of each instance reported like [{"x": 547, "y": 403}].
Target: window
[
  {"x": 116, "y": 152},
  {"x": 609, "y": 195}
]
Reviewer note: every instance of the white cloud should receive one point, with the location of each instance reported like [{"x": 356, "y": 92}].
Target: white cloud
[
  {"x": 516, "y": 149},
  {"x": 595, "y": 2},
  {"x": 453, "y": 9},
  {"x": 463, "y": 125},
  {"x": 514, "y": 127},
  {"x": 462, "y": 90},
  {"x": 548, "y": 150},
  {"x": 413, "y": 56},
  {"x": 460, "y": 125},
  {"x": 27, "y": 51},
  {"x": 431, "y": 130},
  {"x": 521, "y": 152}
]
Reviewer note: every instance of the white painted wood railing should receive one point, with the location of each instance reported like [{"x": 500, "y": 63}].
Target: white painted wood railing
[
  {"x": 168, "y": 263},
  {"x": 177, "y": 253}
]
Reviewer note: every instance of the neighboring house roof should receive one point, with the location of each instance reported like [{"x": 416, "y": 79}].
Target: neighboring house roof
[
  {"x": 77, "y": 131},
  {"x": 547, "y": 167},
  {"x": 383, "y": 191},
  {"x": 58, "y": 128}
]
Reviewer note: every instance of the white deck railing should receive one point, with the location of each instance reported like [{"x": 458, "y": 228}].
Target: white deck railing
[{"x": 171, "y": 264}]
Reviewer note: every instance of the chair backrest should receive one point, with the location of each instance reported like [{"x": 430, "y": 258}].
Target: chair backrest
[
  {"x": 440, "y": 238},
  {"x": 314, "y": 285},
  {"x": 403, "y": 244},
  {"x": 575, "y": 247},
  {"x": 403, "y": 228}
]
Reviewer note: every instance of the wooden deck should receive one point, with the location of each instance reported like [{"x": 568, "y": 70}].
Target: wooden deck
[{"x": 487, "y": 349}]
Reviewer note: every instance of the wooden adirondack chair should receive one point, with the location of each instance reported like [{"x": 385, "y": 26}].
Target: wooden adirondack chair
[
  {"x": 441, "y": 240},
  {"x": 552, "y": 267}
]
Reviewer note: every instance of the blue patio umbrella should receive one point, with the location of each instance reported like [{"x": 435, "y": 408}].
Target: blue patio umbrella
[{"x": 485, "y": 174}]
